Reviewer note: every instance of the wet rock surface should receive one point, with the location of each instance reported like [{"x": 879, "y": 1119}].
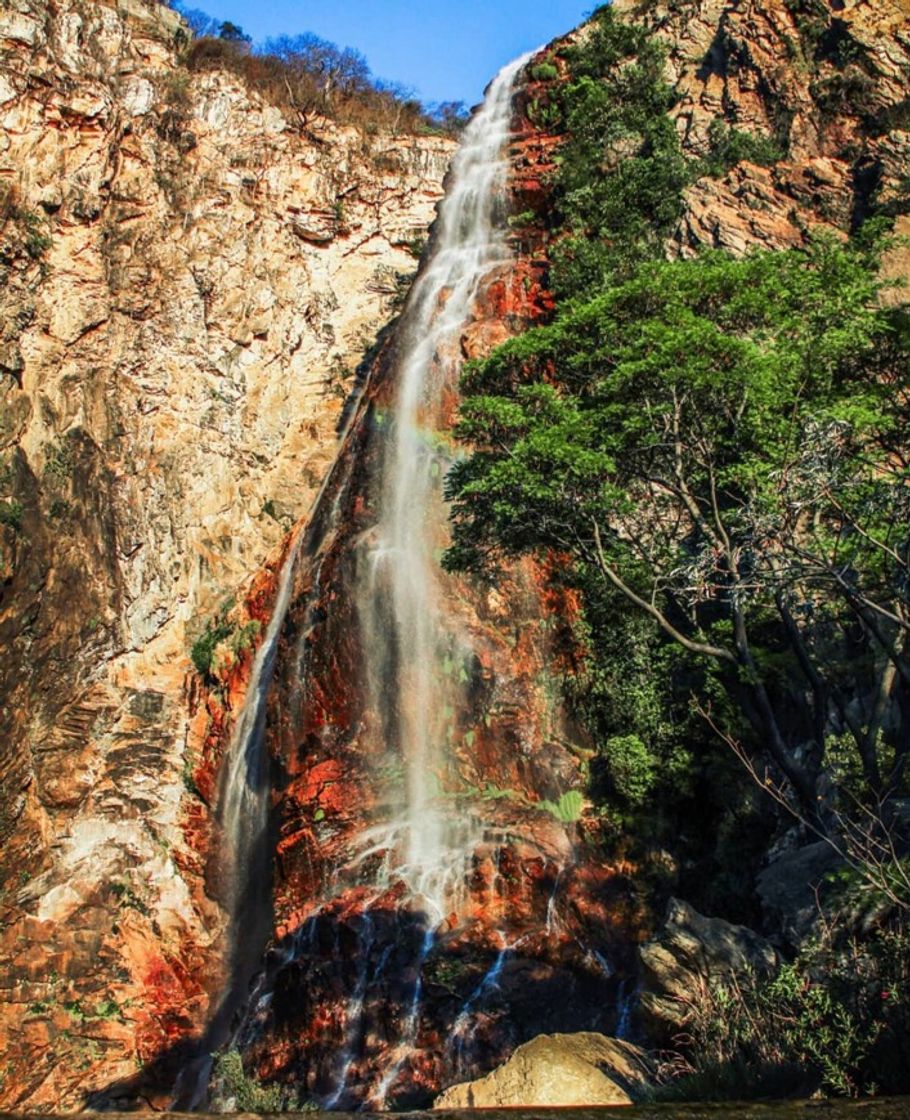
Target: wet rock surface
[{"x": 379, "y": 993}]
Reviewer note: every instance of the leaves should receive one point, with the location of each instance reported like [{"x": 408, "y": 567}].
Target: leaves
[
  {"x": 723, "y": 438},
  {"x": 567, "y": 809}
]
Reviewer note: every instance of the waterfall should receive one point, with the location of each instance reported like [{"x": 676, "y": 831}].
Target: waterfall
[
  {"x": 243, "y": 804},
  {"x": 416, "y": 664},
  {"x": 415, "y": 890}
]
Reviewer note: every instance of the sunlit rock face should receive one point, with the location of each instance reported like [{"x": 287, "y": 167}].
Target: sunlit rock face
[
  {"x": 184, "y": 299},
  {"x": 173, "y": 366},
  {"x": 831, "y": 92},
  {"x": 559, "y": 1071}
]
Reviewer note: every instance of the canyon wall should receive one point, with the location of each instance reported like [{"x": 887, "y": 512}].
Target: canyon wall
[
  {"x": 188, "y": 285},
  {"x": 551, "y": 925}
]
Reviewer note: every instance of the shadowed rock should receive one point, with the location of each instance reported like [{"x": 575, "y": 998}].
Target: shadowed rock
[{"x": 690, "y": 953}]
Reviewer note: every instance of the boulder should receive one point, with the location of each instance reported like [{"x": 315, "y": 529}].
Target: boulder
[
  {"x": 788, "y": 889},
  {"x": 690, "y": 953},
  {"x": 558, "y": 1070}
]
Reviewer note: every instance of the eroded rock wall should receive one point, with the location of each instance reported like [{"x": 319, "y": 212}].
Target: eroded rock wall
[
  {"x": 187, "y": 285},
  {"x": 826, "y": 82}
]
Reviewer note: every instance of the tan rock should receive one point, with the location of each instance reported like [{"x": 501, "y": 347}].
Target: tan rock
[
  {"x": 689, "y": 954},
  {"x": 558, "y": 1071},
  {"x": 744, "y": 63}
]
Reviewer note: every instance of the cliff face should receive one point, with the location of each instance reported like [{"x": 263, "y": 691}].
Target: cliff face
[
  {"x": 188, "y": 284},
  {"x": 826, "y": 83},
  {"x": 369, "y": 998},
  {"x": 827, "y": 99}
]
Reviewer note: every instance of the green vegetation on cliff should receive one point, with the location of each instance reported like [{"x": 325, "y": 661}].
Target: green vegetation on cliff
[
  {"x": 620, "y": 212},
  {"x": 717, "y": 440},
  {"x": 836, "y": 1020},
  {"x": 717, "y": 447}
]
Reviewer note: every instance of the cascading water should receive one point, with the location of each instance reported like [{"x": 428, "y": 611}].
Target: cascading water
[
  {"x": 428, "y": 904},
  {"x": 411, "y": 649}
]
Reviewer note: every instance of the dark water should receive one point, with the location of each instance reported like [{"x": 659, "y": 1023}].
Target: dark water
[{"x": 895, "y": 1109}]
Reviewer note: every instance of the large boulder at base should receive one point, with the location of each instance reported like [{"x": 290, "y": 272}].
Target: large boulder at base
[
  {"x": 688, "y": 955},
  {"x": 558, "y": 1070}
]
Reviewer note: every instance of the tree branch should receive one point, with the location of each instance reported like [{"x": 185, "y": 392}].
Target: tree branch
[{"x": 717, "y": 652}]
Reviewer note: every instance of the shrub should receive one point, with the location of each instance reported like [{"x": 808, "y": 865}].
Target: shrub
[
  {"x": 812, "y": 19},
  {"x": 544, "y": 72},
  {"x": 32, "y": 236},
  {"x": 519, "y": 221},
  {"x": 246, "y": 1092},
  {"x": 619, "y": 213},
  {"x": 203, "y": 649},
  {"x": 11, "y": 515},
  {"x": 221, "y": 630},
  {"x": 233, "y": 33},
  {"x": 630, "y": 768},
  {"x": 244, "y": 636},
  {"x": 59, "y": 462},
  {"x": 416, "y": 247},
  {"x": 850, "y": 90},
  {"x": 729, "y": 146},
  {"x": 834, "y": 1020},
  {"x": 307, "y": 77}
]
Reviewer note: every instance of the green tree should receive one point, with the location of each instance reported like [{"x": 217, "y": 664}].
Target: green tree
[
  {"x": 720, "y": 441},
  {"x": 621, "y": 171},
  {"x": 233, "y": 33}
]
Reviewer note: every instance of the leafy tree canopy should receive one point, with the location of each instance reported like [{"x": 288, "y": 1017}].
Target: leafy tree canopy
[{"x": 721, "y": 441}]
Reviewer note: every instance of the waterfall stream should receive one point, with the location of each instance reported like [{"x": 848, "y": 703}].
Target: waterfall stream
[{"x": 412, "y": 654}]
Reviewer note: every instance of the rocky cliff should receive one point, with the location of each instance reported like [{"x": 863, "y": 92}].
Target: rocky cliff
[
  {"x": 333, "y": 1001},
  {"x": 188, "y": 285},
  {"x": 823, "y": 85}
]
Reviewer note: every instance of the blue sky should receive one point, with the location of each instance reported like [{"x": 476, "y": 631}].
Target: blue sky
[{"x": 447, "y": 50}]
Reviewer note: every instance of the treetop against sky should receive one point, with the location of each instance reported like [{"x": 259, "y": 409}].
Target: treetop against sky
[{"x": 447, "y": 50}]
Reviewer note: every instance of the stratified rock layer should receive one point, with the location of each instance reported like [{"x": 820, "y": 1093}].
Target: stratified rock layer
[{"x": 188, "y": 284}]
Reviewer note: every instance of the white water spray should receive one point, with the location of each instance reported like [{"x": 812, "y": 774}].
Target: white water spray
[
  {"x": 243, "y": 805},
  {"x": 412, "y": 653}
]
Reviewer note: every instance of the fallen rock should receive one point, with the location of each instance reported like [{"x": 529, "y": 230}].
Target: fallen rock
[
  {"x": 689, "y": 954},
  {"x": 558, "y": 1070}
]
